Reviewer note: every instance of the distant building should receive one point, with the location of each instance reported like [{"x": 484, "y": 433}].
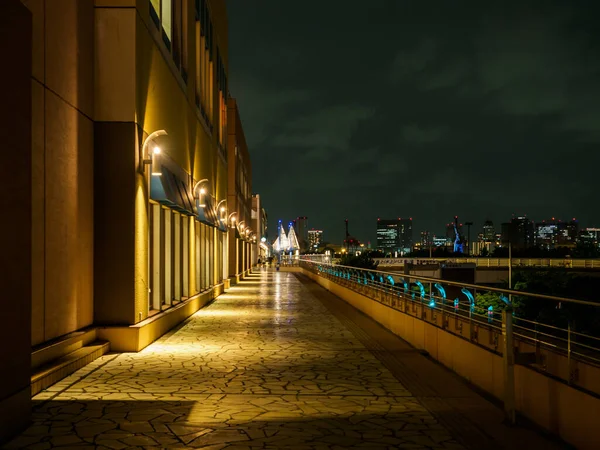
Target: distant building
[
  {"x": 301, "y": 225},
  {"x": 259, "y": 225},
  {"x": 394, "y": 236},
  {"x": 590, "y": 235},
  {"x": 556, "y": 233},
  {"x": 387, "y": 236},
  {"x": 441, "y": 241},
  {"x": 519, "y": 232},
  {"x": 425, "y": 239},
  {"x": 489, "y": 231},
  {"x": 405, "y": 234},
  {"x": 315, "y": 237}
]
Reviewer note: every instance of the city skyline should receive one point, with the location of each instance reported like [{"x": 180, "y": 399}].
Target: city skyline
[
  {"x": 454, "y": 111},
  {"x": 439, "y": 229}
]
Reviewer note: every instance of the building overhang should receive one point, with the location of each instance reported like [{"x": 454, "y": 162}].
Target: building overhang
[{"x": 172, "y": 191}]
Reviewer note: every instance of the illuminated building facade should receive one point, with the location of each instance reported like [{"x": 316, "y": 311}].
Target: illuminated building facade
[
  {"x": 590, "y": 236},
  {"x": 259, "y": 223},
  {"x": 556, "y": 233},
  {"x": 489, "y": 231},
  {"x": 129, "y": 183},
  {"x": 239, "y": 198},
  {"x": 519, "y": 232},
  {"x": 394, "y": 236},
  {"x": 315, "y": 237},
  {"x": 426, "y": 239}
]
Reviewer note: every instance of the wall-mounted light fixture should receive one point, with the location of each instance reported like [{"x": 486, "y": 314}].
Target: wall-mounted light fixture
[
  {"x": 150, "y": 153},
  {"x": 231, "y": 219},
  {"x": 200, "y": 192},
  {"x": 241, "y": 226},
  {"x": 222, "y": 210}
]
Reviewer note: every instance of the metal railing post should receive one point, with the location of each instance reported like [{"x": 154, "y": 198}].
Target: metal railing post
[
  {"x": 508, "y": 360},
  {"x": 570, "y": 380}
]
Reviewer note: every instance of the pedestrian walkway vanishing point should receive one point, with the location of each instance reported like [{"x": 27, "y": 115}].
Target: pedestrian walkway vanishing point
[{"x": 276, "y": 362}]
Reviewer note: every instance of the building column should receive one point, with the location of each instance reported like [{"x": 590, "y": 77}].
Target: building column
[
  {"x": 16, "y": 226},
  {"x": 120, "y": 226}
]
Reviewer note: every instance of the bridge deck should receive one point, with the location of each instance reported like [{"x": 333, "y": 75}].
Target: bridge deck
[{"x": 276, "y": 362}]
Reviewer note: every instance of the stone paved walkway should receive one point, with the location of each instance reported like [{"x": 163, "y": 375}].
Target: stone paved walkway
[{"x": 265, "y": 366}]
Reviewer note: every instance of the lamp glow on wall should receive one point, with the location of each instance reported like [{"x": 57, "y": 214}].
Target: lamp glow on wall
[
  {"x": 150, "y": 153},
  {"x": 222, "y": 210},
  {"x": 231, "y": 219},
  {"x": 200, "y": 192}
]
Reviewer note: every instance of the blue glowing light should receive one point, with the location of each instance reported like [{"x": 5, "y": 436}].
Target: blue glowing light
[
  {"x": 456, "y": 303},
  {"x": 505, "y": 299},
  {"x": 405, "y": 286},
  {"x": 441, "y": 290},
  {"x": 418, "y": 283},
  {"x": 469, "y": 297}
]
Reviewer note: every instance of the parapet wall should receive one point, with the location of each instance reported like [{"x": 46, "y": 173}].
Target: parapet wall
[{"x": 563, "y": 410}]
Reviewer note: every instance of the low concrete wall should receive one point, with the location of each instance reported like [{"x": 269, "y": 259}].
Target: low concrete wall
[
  {"x": 561, "y": 409},
  {"x": 136, "y": 337},
  {"x": 51, "y": 352}
]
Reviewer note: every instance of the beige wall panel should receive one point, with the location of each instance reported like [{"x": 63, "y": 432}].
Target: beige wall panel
[
  {"x": 69, "y": 178},
  {"x": 115, "y": 65},
  {"x": 37, "y": 12},
  {"x": 38, "y": 210},
  {"x": 70, "y": 51}
]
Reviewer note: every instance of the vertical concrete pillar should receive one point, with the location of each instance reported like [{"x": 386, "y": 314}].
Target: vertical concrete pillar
[
  {"x": 120, "y": 224},
  {"x": 15, "y": 203}
]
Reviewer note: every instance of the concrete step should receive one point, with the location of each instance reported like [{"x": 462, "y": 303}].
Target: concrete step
[{"x": 51, "y": 372}]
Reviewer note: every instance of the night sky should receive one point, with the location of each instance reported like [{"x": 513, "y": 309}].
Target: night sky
[{"x": 423, "y": 109}]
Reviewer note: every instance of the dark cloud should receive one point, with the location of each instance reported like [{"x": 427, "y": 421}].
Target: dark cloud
[{"x": 419, "y": 108}]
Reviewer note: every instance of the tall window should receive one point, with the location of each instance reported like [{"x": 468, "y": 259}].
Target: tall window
[
  {"x": 177, "y": 247},
  {"x": 185, "y": 232},
  {"x": 177, "y": 32},
  {"x": 204, "y": 57},
  {"x": 184, "y": 43},
  {"x": 166, "y": 20},
  {"x": 155, "y": 11},
  {"x": 155, "y": 257},
  {"x": 198, "y": 258},
  {"x": 199, "y": 53},
  {"x": 168, "y": 256},
  {"x": 170, "y": 17}
]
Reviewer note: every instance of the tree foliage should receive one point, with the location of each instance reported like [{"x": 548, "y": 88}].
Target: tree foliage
[{"x": 362, "y": 261}]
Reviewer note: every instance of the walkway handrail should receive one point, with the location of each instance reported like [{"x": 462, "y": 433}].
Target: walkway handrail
[
  {"x": 470, "y": 286},
  {"x": 484, "y": 261},
  {"x": 542, "y": 342}
]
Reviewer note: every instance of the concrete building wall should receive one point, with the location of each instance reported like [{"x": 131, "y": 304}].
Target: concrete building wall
[
  {"x": 62, "y": 177},
  {"x": 239, "y": 192},
  {"x": 142, "y": 86},
  {"x": 15, "y": 202}
]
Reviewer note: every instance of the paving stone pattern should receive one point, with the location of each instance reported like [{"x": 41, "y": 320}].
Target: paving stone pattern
[{"x": 264, "y": 366}]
